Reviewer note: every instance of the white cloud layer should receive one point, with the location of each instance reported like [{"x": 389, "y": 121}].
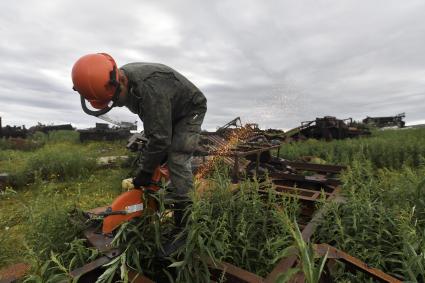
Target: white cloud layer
[{"x": 274, "y": 62}]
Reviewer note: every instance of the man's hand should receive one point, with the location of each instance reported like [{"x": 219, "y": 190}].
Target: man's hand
[
  {"x": 127, "y": 184},
  {"x": 142, "y": 179}
]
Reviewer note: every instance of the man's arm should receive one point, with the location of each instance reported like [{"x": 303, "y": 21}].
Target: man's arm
[{"x": 157, "y": 123}]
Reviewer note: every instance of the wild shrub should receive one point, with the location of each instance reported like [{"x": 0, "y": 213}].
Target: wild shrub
[
  {"x": 391, "y": 149},
  {"x": 13, "y": 162},
  {"x": 244, "y": 228},
  {"x": 49, "y": 228},
  {"x": 56, "y": 137},
  {"x": 6, "y": 252},
  {"x": 58, "y": 265},
  {"x": 382, "y": 220},
  {"x": 18, "y": 144},
  {"x": 60, "y": 161}
]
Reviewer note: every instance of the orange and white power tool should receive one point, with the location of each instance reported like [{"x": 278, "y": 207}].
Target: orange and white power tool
[{"x": 130, "y": 204}]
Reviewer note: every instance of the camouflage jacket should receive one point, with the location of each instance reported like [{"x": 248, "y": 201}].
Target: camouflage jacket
[{"x": 161, "y": 97}]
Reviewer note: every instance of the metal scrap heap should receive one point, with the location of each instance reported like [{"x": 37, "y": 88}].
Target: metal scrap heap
[
  {"x": 327, "y": 128},
  {"x": 102, "y": 132},
  {"x": 389, "y": 121}
]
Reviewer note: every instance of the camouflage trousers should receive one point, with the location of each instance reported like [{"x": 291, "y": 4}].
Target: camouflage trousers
[{"x": 184, "y": 142}]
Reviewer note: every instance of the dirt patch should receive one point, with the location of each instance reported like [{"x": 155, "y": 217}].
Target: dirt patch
[{"x": 13, "y": 272}]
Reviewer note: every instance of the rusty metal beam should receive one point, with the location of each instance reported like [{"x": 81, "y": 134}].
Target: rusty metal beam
[
  {"x": 135, "y": 277},
  {"x": 300, "y": 191},
  {"x": 322, "y": 168},
  {"x": 313, "y": 197},
  {"x": 89, "y": 267},
  {"x": 13, "y": 273},
  {"x": 233, "y": 273},
  {"x": 238, "y": 152},
  {"x": 335, "y": 254},
  {"x": 98, "y": 240},
  {"x": 308, "y": 180},
  {"x": 286, "y": 263}
]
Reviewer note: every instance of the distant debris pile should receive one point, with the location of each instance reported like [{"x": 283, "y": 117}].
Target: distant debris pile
[
  {"x": 13, "y": 131},
  {"x": 389, "y": 121},
  {"x": 22, "y": 132},
  {"x": 327, "y": 128},
  {"x": 236, "y": 124},
  {"x": 102, "y": 132},
  {"x": 48, "y": 128}
]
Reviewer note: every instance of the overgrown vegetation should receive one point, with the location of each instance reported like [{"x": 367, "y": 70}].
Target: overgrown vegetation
[
  {"x": 56, "y": 268},
  {"x": 391, "y": 149},
  {"x": 45, "y": 185},
  {"x": 245, "y": 229},
  {"x": 382, "y": 220}
]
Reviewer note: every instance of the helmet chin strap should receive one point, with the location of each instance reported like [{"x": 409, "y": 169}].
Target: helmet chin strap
[
  {"x": 95, "y": 113},
  {"x": 105, "y": 110}
]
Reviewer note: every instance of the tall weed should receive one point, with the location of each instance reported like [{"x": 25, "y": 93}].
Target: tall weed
[
  {"x": 382, "y": 220},
  {"x": 391, "y": 149},
  {"x": 60, "y": 161}
]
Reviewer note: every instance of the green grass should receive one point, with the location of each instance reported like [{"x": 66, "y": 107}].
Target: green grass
[
  {"x": 245, "y": 229},
  {"x": 391, "y": 149},
  {"x": 382, "y": 221},
  {"x": 47, "y": 183},
  {"x": 37, "y": 216}
]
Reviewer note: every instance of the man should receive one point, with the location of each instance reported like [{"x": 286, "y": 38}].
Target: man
[{"x": 171, "y": 107}]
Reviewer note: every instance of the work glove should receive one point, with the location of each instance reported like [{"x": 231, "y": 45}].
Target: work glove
[
  {"x": 142, "y": 179},
  {"x": 127, "y": 184}
]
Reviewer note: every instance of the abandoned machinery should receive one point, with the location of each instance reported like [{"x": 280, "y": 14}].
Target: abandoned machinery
[
  {"x": 389, "y": 121},
  {"x": 327, "y": 128},
  {"x": 102, "y": 132}
]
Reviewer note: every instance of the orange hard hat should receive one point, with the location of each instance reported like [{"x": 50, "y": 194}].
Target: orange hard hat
[{"x": 95, "y": 77}]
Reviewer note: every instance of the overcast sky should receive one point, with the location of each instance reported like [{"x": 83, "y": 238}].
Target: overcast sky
[{"x": 273, "y": 62}]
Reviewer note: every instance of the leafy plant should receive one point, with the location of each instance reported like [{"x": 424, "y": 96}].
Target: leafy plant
[{"x": 58, "y": 266}]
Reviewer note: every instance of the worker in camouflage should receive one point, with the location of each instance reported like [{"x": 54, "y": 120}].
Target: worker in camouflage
[
  {"x": 172, "y": 110},
  {"x": 171, "y": 107}
]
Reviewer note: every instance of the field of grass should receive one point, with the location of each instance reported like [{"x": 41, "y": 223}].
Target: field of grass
[
  {"x": 391, "y": 149},
  {"x": 47, "y": 182},
  {"x": 382, "y": 221}
]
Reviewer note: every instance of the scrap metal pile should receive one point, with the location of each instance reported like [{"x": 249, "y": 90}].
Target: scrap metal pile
[
  {"x": 389, "y": 121},
  {"x": 327, "y": 128},
  {"x": 49, "y": 128},
  {"x": 249, "y": 151},
  {"x": 12, "y": 131},
  {"x": 102, "y": 132}
]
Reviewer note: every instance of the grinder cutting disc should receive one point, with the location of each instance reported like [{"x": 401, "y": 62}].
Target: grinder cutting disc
[{"x": 125, "y": 207}]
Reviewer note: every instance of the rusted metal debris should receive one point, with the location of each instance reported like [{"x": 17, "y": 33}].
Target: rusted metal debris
[
  {"x": 13, "y": 273},
  {"x": 327, "y": 128},
  {"x": 389, "y": 121},
  {"x": 235, "y": 123},
  {"x": 49, "y": 128},
  {"x": 352, "y": 263},
  {"x": 22, "y": 132},
  {"x": 12, "y": 131},
  {"x": 102, "y": 132}
]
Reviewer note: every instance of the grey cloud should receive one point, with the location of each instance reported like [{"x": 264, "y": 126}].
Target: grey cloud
[{"x": 275, "y": 62}]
